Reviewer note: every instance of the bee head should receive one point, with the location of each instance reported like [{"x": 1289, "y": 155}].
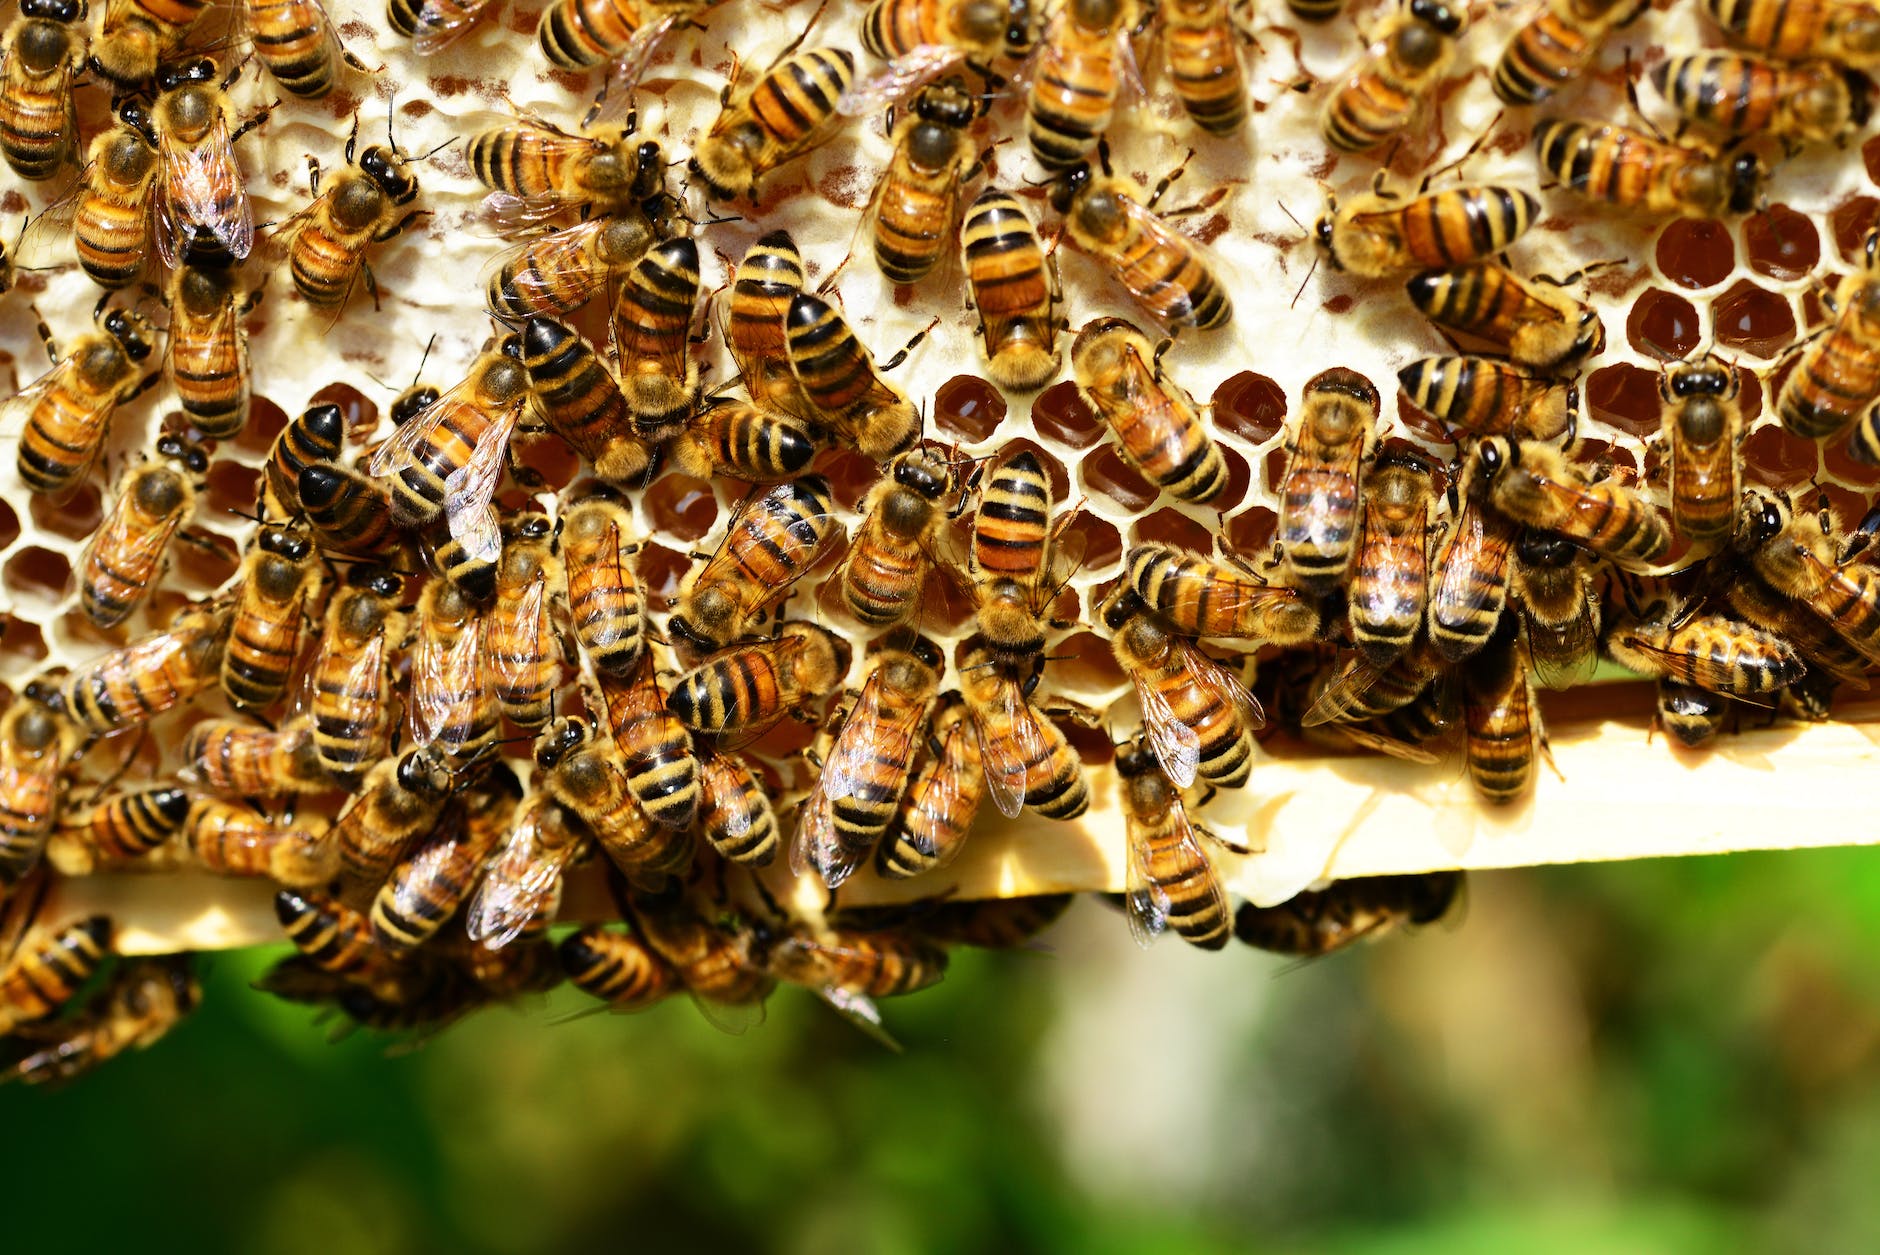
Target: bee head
[
  {"x": 1494, "y": 453},
  {"x": 1705, "y": 377},
  {"x": 188, "y": 452},
  {"x": 54, "y": 10},
  {"x": 1068, "y": 184},
  {"x": 562, "y": 737},
  {"x": 1764, "y": 518},
  {"x": 131, "y": 113},
  {"x": 1546, "y": 550},
  {"x": 1134, "y": 759},
  {"x": 422, "y": 771},
  {"x": 390, "y": 171},
  {"x": 182, "y": 73},
  {"x": 377, "y": 580},
  {"x": 919, "y": 472},
  {"x": 293, "y": 546},
  {"x": 1435, "y": 13},
  {"x": 131, "y": 332},
  {"x": 1120, "y": 607}
]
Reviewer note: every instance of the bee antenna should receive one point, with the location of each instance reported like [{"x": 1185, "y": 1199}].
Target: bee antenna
[{"x": 1310, "y": 271}]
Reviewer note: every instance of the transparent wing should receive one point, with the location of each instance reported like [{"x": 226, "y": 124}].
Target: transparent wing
[
  {"x": 508, "y": 214},
  {"x": 1007, "y": 761},
  {"x": 529, "y": 614},
  {"x": 15, "y": 410},
  {"x": 469, "y": 488},
  {"x": 523, "y": 880},
  {"x": 1214, "y": 674},
  {"x": 1145, "y": 903},
  {"x": 47, "y": 238},
  {"x": 735, "y": 1018},
  {"x": 1569, "y": 654},
  {"x": 1064, "y": 556},
  {"x": 438, "y": 27},
  {"x": 1159, "y": 233},
  {"x": 1365, "y": 738},
  {"x": 1335, "y": 699},
  {"x": 565, "y": 254},
  {"x": 1176, "y": 746},
  {"x": 196, "y": 178},
  {"x": 400, "y": 451},
  {"x": 444, "y": 677},
  {"x": 860, "y": 1010},
  {"x": 624, "y": 75},
  {"x": 898, "y": 80}
]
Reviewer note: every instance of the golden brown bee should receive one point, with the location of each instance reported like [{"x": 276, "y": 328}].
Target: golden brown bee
[
  {"x": 202, "y": 199},
  {"x": 1157, "y": 428},
  {"x": 234, "y": 839},
  {"x": 1707, "y": 651},
  {"x": 654, "y": 747},
  {"x": 1551, "y": 582},
  {"x": 789, "y": 110},
  {"x": 1533, "y": 483},
  {"x": 1621, "y": 166},
  {"x": 236, "y": 758},
  {"x": 1204, "y": 597},
  {"x": 1798, "y": 559},
  {"x": 714, "y": 958},
  {"x": 1501, "y": 720},
  {"x": 314, "y": 437},
  {"x": 1321, "y": 491},
  {"x": 1469, "y": 582},
  {"x": 1171, "y": 884},
  {"x": 1535, "y": 323},
  {"x": 844, "y": 388},
  {"x": 580, "y": 399},
  {"x": 557, "y": 273},
  {"x": 580, "y": 34},
  {"x": 348, "y": 512},
  {"x": 439, "y": 873},
  {"x": 604, "y": 603},
  {"x": 1082, "y": 59},
  {"x": 352, "y": 672},
  {"x": 770, "y": 542},
  {"x": 452, "y": 704},
  {"x": 1557, "y": 45},
  {"x": 1384, "y": 93},
  {"x": 399, "y": 799},
  {"x": 129, "y": 825},
  {"x": 114, "y": 206},
  {"x": 434, "y": 25},
  {"x": 1814, "y": 102},
  {"x": 138, "y": 34},
  {"x": 68, "y": 409},
  {"x": 1391, "y": 574},
  {"x": 473, "y": 575},
  {"x": 742, "y": 690},
  {"x": 1363, "y": 690},
  {"x": 520, "y": 645},
  {"x": 522, "y": 881},
  {"x": 207, "y": 354},
  {"x": 742, "y": 441},
  {"x": 861, "y": 778},
  {"x": 886, "y": 567},
  {"x": 849, "y": 969},
  {"x": 1703, "y": 432},
  {"x": 1015, "y": 289},
  {"x": 1204, "y": 66},
  {"x": 336, "y": 938},
  {"x": 768, "y": 279},
  {"x": 1688, "y": 713},
  {"x": 152, "y": 674},
  {"x": 652, "y": 332},
  {"x": 1163, "y": 269},
  {"x": 365, "y": 204},
  {"x": 1838, "y": 375},
  {"x": 942, "y": 800},
  {"x": 923, "y": 39},
  {"x": 597, "y": 783},
  {"x": 734, "y": 812},
  {"x": 279, "y": 577},
  {"x": 1381, "y": 233},
  {"x": 918, "y": 199},
  {"x": 1487, "y": 397},
  {"x": 621, "y": 970},
  {"x": 1197, "y": 715},
  {"x": 37, "y": 740},
  {"x": 1821, "y": 647},
  {"x": 1321, "y": 921},
  {"x": 48, "y": 969},
  {"x": 294, "y": 39},
  {"x": 140, "y": 1002},
  {"x": 1027, "y": 760},
  {"x": 1843, "y": 31},
  {"x": 40, "y": 54},
  {"x": 1020, "y": 561},
  {"x": 535, "y": 170},
  {"x": 126, "y": 553}
]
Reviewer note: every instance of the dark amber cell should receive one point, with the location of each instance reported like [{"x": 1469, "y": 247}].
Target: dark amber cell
[
  {"x": 1849, "y": 507},
  {"x": 552, "y": 460},
  {"x": 1814, "y": 313},
  {"x": 1250, "y": 406},
  {"x": 661, "y": 571},
  {"x": 1091, "y": 744},
  {"x": 1840, "y": 465},
  {"x": 850, "y": 475},
  {"x": 362, "y": 416},
  {"x": 1662, "y": 325},
  {"x": 1061, "y": 416},
  {"x": 1600, "y": 460},
  {"x": 1749, "y": 398},
  {"x": 265, "y": 420},
  {"x": 1250, "y": 534},
  {"x": 1781, "y": 243},
  {"x": 968, "y": 408},
  {"x": 76, "y": 517},
  {"x": 1870, "y": 157},
  {"x": 1753, "y": 320},
  {"x": 681, "y": 506},
  {"x": 1172, "y": 527},
  {"x": 1625, "y": 396},
  {"x": 1102, "y": 545},
  {"x": 1851, "y": 220},
  {"x": 232, "y": 487},
  {"x": 9, "y": 525},
  {"x": 22, "y": 641},
  {"x": 1777, "y": 457},
  {"x": 1106, "y": 472},
  {"x": 1696, "y": 252},
  {"x": 205, "y": 566},
  {"x": 37, "y": 571}
]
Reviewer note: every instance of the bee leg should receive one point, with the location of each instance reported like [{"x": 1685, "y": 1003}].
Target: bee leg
[
  {"x": 398, "y": 228},
  {"x": 45, "y": 335},
  {"x": 731, "y": 80},
  {"x": 261, "y": 115},
  {"x": 372, "y": 284},
  {"x": 248, "y": 305},
  {"x": 1169, "y": 179},
  {"x": 909, "y": 347},
  {"x": 313, "y": 176}
]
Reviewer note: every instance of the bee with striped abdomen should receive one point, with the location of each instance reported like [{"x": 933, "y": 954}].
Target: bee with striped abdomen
[
  {"x": 1842, "y": 31},
  {"x": 1488, "y": 397},
  {"x": 713, "y": 956},
  {"x": 1552, "y": 584},
  {"x": 850, "y": 969},
  {"x": 1027, "y": 759},
  {"x": 1021, "y": 560},
  {"x": 339, "y": 940},
  {"x": 942, "y": 800},
  {"x": 47, "y": 969},
  {"x": 844, "y": 389},
  {"x": 348, "y": 512},
  {"x": 237, "y": 758},
  {"x": 652, "y": 327},
  {"x": 1390, "y": 578},
  {"x": 315, "y": 436},
  {"x": 521, "y": 647},
  {"x": 896, "y": 546},
  {"x": 1157, "y": 427},
  {"x": 557, "y": 273},
  {"x": 152, "y": 674},
  {"x": 1838, "y": 376},
  {"x": 654, "y": 746},
  {"x": 365, "y": 204},
  {"x": 127, "y": 825},
  {"x": 1815, "y": 102},
  {"x": 1363, "y": 690},
  {"x": 1707, "y": 651},
  {"x": 452, "y": 704},
  {"x": 581, "y": 34},
  {"x": 1534, "y": 484},
  {"x": 1502, "y": 737},
  {"x": 68, "y": 410},
  {"x": 439, "y": 873},
  {"x": 1082, "y": 59},
  {"x": 40, "y": 55},
  {"x": 535, "y": 170},
  {"x": 1318, "y": 922},
  {"x": 735, "y": 816},
  {"x": 140, "y": 1002},
  {"x": 206, "y": 356},
  {"x": 37, "y": 741},
  {"x": 580, "y": 399},
  {"x": 787, "y": 111},
  {"x": 234, "y": 839},
  {"x": 918, "y": 199},
  {"x": 279, "y": 578},
  {"x": 399, "y": 799},
  {"x": 1400, "y": 71},
  {"x": 1535, "y": 323},
  {"x": 352, "y": 672},
  {"x": 1557, "y": 45},
  {"x": 1469, "y": 581},
  {"x": 1171, "y": 884},
  {"x": 1703, "y": 431},
  {"x": 1381, "y": 233},
  {"x": 1321, "y": 492},
  {"x": 1628, "y": 168},
  {"x": 619, "y": 969},
  {"x": 1163, "y": 269},
  {"x": 1690, "y": 715},
  {"x": 923, "y": 39},
  {"x": 743, "y": 441},
  {"x": 1197, "y": 715},
  {"x": 767, "y": 280},
  {"x": 1202, "y": 596},
  {"x": 108, "y": 214},
  {"x": 1798, "y": 557},
  {"x": 1014, "y": 289},
  {"x": 202, "y": 198},
  {"x": 522, "y": 880},
  {"x": 296, "y": 41},
  {"x": 1204, "y": 65},
  {"x": 126, "y": 554},
  {"x": 771, "y": 540},
  {"x": 434, "y": 25},
  {"x": 741, "y": 691},
  {"x": 614, "y": 792},
  {"x": 137, "y": 35},
  {"x": 604, "y": 603}
]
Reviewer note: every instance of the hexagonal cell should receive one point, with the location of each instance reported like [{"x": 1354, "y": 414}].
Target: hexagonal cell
[
  {"x": 1625, "y": 396},
  {"x": 1662, "y": 325},
  {"x": 22, "y": 645},
  {"x": 1172, "y": 527},
  {"x": 968, "y": 408},
  {"x": 1849, "y": 507},
  {"x": 1239, "y": 480},
  {"x": 1775, "y": 456},
  {"x": 552, "y": 461},
  {"x": 1850, "y": 221},
  {"x": 1838, "y": 464},
  {"x": 1250, "y": 406},
  {"x": 1753, "y": 320},
  {"x": 1106, "y": 472},
  {"x": 1061, "y": 417},
  {"x": 1092, "y": 744},
  {"x": 232, "y": 487},
  {"x": 1696, "y": 252},
  {"x": 203, "y": 563},
  {"x": 850, "y": 475},
  {"x": 682, "y": 507},
  {"x": 661, "y": 571},
  {"x": 1781, "y": 243},
  {"x": 37, "y": 573},
  {"x": 1103, "y": 545},
  {"x": 75, "y": 516},
  {"x": 265, "y": 421},
  {"x": 1250, "y": 533},
  {"x": 9, "y": 524},
  {"x": 1083, "y": 662}
]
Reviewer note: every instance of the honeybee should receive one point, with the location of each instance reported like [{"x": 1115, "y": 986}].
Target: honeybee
[
  {"x": 1162, "y": 268},
  {"x": 37, "y": 741},
  {"x": 1798, "y": 560},
  {"x": 68, "y": 409},
  {"x": 207, "y": 354},
  {"x": 49, "y": 967},
  {"x": 236, "y": 758},
  {"x": 339, "y": 940},
  {"x": 844, "y": 388},
  {"x": 359, "y": 208},
  {"x": 652, "y": 329},
  {"x": 1551, "y": 582},
  {"x": 434, "y": 25},
  {"x": 1082, "y": 59},
  {"x": 861, "y": 778},
  {"x": 1321, "y": 921},
  {"x": 1320, "y": 493},
  {"x": 580, "y": 399},
  {"x": 520, "y": 643},
  {"x": 768, "y": 279},
  {"x": 202, "y": 198},
  {"x": 1487, "y": 397},
  {"x": 742, "y": 441},
  {"x": 109, "y": 212},
  {"x": 607, "y": 789},
  {"x": 1707, "y": 651},
  {"x": 129, "y": 825},
  {"x": 348, "y": 512},
  {"x": 1838, "y": 375},
  {"x": 714, "y": 958},
  {"x": 452, "y": 704},
  {"x": 1469, "y": 583},
  {"x": 1501, "y": 720},
  {"x": 603, "y": 596},
  {"x": 991, "y": 923},
  {"x": 744, "y": 689},
  {"x": 1204, "y": 66},
  {"x": 472, "y": 575},
  {"x": 886, "y": 567},
  {"x": 40, "y": 54},
  {"x": 1203, "y": 597},
  {"x": 1843, "y": 31},
  {"x": 580, "y": 34},
  {"x": 138, "y": 34},
  {"x": 295, "y": 40},
  {"x": 1534, "y": 484},
  {"x": 279, "y": 577},
  {"x": 1026, "y": 758},
  {"x": 1703, "y": 431},
  {"x": 535, "y": 170},
  {"x": 1157, "y": 428},
  {"x": 790, "y": 109},
  {"x": 1171, "y": 884},
  {"x": 152, "y": 674},
  {"x": 234, "y": 839},
  {"x": 1386, "y": 90},
  {"x": 918, "y": 199},
  {"x": 942, "y": 800},
  {"x": 619, "y": 969},
  {"x": 522, "y": 880},
  {"x": 850, "y": 969},
  {"x": 1020, "y": 560},
  {"x": 655, "y": 749},
  {"x": 437, "y": 876},
  {"x": 1814, "y": 102},
  {"x": 1821, "y": 647},
  {"x": 1390, "y": 580},
  {"x": 924, "y": 39},
  {"x": 1557, "y": 45},
  {"x": 314, "y": 437},
  {"x": 399, "y": 799},
  {"x": 1197, "y": 715},
  {"x": 772, "y": 539},
  {"x": 557, "y": 273},
  {"x": 1688, "y": 713},
  {"x": 1015, "y": 289},
  {"x": 352, "y": 672},
  {"x": 126, "y": 553},
  {"x": 1621, "y": 166},
  {"x": 1535, "y": 323},
  {"x": 448, "y": 459},
  {"x": 140, "y": 1002},
  {"x": 1362, "y": 690},
  {"x": 734, "y": 812},
  {"x": 1381, "y": 233}
]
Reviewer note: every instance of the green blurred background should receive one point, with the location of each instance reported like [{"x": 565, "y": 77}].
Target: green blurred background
[{"x": 1667, "y": 1056}]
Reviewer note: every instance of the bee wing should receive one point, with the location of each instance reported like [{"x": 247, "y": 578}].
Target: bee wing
[
  {"x": 508, "y": 214},
  {"x": 443, "y": 677},
  {"x": 735, "y": 1018},
  {"x": 1005, "y": 766},
  {"x": 424, "y": 868},
  {"x": 468, "y": 489},
  {"x": 1176, "y": 745},
  {"x": 563, "y": 254},
  {"x": 1064, "y": 557},
  {"x": 1357, "y": 677},
  {"x": 631, "y": 62},
  {"x": 522, "y": 880},
  {"x": 439, "y": 26},
  {"x": 399, "y": 452},
  {"x": 1145, "y": 903},
  {"x": 196, "y": 176},
  {"x": 860, "y": 1010},
  {"x": 13, "y": 412},
  {"x": 901, "y": 78},
  {"x": 46, "y": 240},
  {"x": 530, "y": 613},
  {"x": 1212, "y": 673},
  {"x": 1158, "y": 232},
  {"x": 1365, "y": 738},
  {"x": 1574, "y": 663}
]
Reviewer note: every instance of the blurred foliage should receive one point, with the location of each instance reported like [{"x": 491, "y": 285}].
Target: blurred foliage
[{"x": 1673, "y": 1056}]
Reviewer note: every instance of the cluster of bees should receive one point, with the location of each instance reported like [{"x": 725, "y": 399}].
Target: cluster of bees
[{"x": 396, "y": 610}]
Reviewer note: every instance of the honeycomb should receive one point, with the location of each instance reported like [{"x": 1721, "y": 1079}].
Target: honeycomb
[{"x": 1748, "y": 288}]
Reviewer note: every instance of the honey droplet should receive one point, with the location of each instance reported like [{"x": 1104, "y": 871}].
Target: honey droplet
[
  {"x": 1696, "y": 252},
  {"x": 1250, "y": 406},
  {"x": 232, "y": 487},
  {"x": 850, "y": 475},
  {"x": 1061, "y": 416},
  {"x": 681, "y": 506},
  {"x": 265, "y": 420},
  {"x": 1781, "y": 243},
  {"x": 1106, "y": 472},
  {"x": 74, "y": 518},
  {"x": 1753, "y": 320},
  {"x": 969, "y": 408},
  {"x": 1239, "y": 479},
  {"x": 1851, "y": 220},
  {"x": 1092, "y": 744},
  {"x": 37, "y": 572},
  {"x": 1662, "y": 325},
  {"x": 1625, "y": 396},
  {"x": 1083, "y": 663},
  {"x": 1778, "y": 457}
]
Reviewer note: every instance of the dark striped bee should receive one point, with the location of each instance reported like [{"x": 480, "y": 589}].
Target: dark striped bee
[
  {"x": 126, "y": 554},
  {"x": 1838, "y": 375},
  {"x": 399, "y": 799},
  {"x": 1015, "y": 290},
  {"x": 849, "y": 970},
  {"x": 136, "y": 36},
  {"x": 843, "y": 387},
  {"x": 37, "y": 741},
  {"x": 535, "y": 170},
  {"x": 1157, "y": 427},
  {"x": 1390, "y": 576},
  {"x": 1488, "y": 397},
  {"x": 1689, "y": 714},
  {"x": 1843, "y": 31},
  {"x": 522, "y": 881},
  {"x": 918, "y": 199},
  {"x": 561, "y": 271},
  {"x": 1535, "y": 323},
  {"x": 521, "y": 649},
  {"x": 714, "y": 956},
  {"x": 152, "y": 674},
  {"x": 1321, "y": 921},
  {"x": 1552, "y": 584},
  {"x": 921, "y": 40},
  {"x": 1399, "y": 72},
  {"x": 1321, "y": 492},
  {"x": 1634, "y": 170},
  {"x": 108, "y": 213},
  {"x": 1382, "y": 233},
  {"x": 452, "y": 704},
  {"x": 742, "y": 441},
  {"x": 734, "y": 813},
  {"x": 1469, "y": 582},
  {"x": 68, "y": 409},
  {"x": 339, "y": 940},
  {"x": 1501, "y": 720},
  {"x": 440, "y": 871},
  {"x": 348, "y": 512},
  {"x": 1201, "y": 596},
  {"x": 295, "y": 40},
  {"x": 655, "y": 749},
  {"x": 1027, "y": 760},
  {"x": 1799, "y": 558},
  {"x": 581, "y": 34},
  {"x": 652, "y": 326},
  {"x": 40, "y": 55},
  {"x": 140, "y": 1002},
  {"x": 1163, "y": 269},
  {"x": 1204, "y": 66},
  {"x": 1703, "y": 431},
  {"x": 1814, "y": 102},
  {"x": 886, "y": 567},
  {"x": 365, "y": 204},
  {"x": 581, "y": 400},
  {"x": 741, "y": 691},
  {"x": 1363, "y": 690},
  {"x": 1171, "y": 884},
  {"x": 1707, "y": 651},
  {"x": 128, "y": 825},
  {"x": 768, "y": 279},
  {"x": 604, "y": 604},
  {"x": 434, "y": 25},
  {"x": 237, "y": 758},
  {"x": 1197, "y": 716},
  {"x": 1082, "y": 60},
  {"x": 942, "y": 800},
  {"x": 1021, "y": 560},
  {"x": 619, "y": 969},
  {"x": 206, "y": 356},
  {"x": 614, "y": 795},
  {"x": 771, "y": 540},
  {"x": 1534, "y": 484},
  {"x": 790, "y": 109},
  {"x": 202, "y": 198},
  {"x": 48, "y": 967},
  {"x": 314, "y": 437},
  {"x": 279, "y": 578},
  {"x": 1557, "y": 45},
  {"x": 352, "y": 672}
]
